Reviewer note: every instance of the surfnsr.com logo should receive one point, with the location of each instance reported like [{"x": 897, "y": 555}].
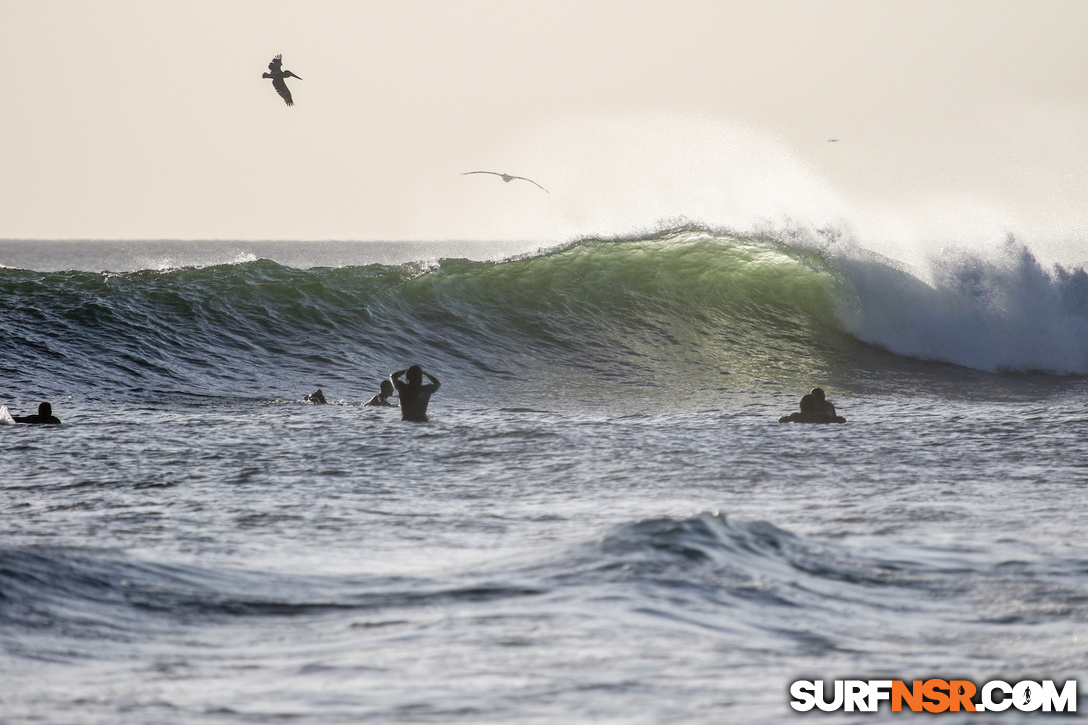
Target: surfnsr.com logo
[{"x": 933, "y": 695}]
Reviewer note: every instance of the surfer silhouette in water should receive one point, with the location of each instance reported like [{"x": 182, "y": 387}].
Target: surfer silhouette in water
[
  {"x": 382, "y": 398},
  {"x": 823, "y": 405},
  {"x": 810, "y": 413},
  {"x": 414, "y": 395},
  {"x": 44, "y": 417},
  {"x": 317, "y": 397}
]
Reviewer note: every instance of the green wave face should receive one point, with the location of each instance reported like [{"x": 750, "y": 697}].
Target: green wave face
[
  {"x": 685, "y": 311},
  {"x": 677, "y": 310},
  {"x": 685, "y": 314}
]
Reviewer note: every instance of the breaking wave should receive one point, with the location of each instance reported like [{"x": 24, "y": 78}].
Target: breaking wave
[{"x": 639, "y": 310}]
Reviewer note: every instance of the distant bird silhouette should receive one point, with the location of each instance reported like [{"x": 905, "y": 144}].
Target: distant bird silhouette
[
  {"x": 277, "y": 75},
  {"x": 832, "y": 140},
  {"x": 507, "y": 178}
]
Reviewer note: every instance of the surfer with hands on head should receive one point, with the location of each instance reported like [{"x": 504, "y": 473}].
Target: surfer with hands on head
[{"x": 414, "y": 394}]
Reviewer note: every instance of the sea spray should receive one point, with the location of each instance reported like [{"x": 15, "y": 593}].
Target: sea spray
[{"x": 1001, "y": 312}]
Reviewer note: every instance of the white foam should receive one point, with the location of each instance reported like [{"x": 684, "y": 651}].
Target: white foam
[{"x": 1000, "y": 311}]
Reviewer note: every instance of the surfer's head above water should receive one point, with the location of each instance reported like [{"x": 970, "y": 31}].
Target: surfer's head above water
[
  {"x": 823, "y": 405},
  {"x": 382, "y": 398}
]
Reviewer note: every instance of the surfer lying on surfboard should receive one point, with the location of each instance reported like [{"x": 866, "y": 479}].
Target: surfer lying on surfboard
[
  {"x": 44, "y": 417},
  {"x": 808, "y": 413}
]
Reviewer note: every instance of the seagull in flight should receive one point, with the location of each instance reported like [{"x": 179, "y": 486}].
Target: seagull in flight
[
  {"x": 507, "y": 178},
  {"x": 278, "y": 75}
]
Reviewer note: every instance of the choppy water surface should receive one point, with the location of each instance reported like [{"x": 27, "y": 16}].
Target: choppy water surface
[{"x": 603, "y": 521}]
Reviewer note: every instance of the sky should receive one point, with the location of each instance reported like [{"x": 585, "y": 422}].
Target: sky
[{"x": 958, "y": 121}]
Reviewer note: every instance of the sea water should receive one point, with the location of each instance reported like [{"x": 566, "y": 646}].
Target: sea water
[{"x": 602, "y": 521}]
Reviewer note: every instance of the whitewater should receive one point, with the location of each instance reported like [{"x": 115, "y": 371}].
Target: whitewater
[{"x": 603, "y": 520}]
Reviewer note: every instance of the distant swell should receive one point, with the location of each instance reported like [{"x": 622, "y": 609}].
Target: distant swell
[{"x": 88, "y": 594}]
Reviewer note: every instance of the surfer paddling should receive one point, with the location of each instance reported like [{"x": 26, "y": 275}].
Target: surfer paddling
[
  {"x": 414, "y": 394},
  {"x": 44, "y": 417},
  {"x": 810, "y": 414}
]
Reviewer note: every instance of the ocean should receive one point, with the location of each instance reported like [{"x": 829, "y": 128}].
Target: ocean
[{"x": 603, "y": 521}]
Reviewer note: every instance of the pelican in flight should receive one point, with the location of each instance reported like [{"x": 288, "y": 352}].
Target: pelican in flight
[
  {"x": 277, "y": 75},
  {"x": 507, "y": 178}
]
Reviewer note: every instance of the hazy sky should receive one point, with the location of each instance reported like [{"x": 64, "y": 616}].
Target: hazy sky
[{"x": 150, "y": 120}]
